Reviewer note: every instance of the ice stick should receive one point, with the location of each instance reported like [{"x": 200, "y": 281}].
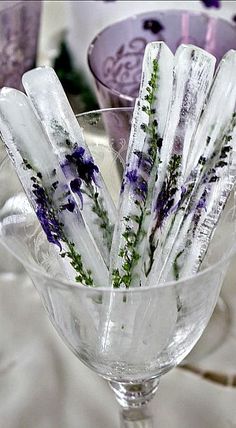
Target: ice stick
[
  {"x": 58, "y": 120},
  {"x": 47, "y": 189},
  {"x": 143, "y": 159},
  {"x": 194, "y": 238},
  {"x": 205, "y": 148},
  {"x": 193, "y": 73}
]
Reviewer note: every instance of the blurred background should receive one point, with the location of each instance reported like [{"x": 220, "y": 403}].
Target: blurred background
[
  {"x": 65, "y": 44},
  {"x": 42, "y": 385}
]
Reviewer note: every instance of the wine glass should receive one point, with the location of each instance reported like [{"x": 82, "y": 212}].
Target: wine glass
[{"x": 130, "y": 337}]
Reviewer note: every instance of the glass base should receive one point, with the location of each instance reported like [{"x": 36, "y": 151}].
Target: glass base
[{"x": 214, "y": 335}]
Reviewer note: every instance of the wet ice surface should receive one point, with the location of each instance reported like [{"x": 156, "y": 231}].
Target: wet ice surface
[
  {"x": 179, "y": 173},
  {"x": 144, "y": 152},
  {"x": 37, "y": 169},
  {"x": 193, "y": 73},
  {"x": 58, "y": 120}
]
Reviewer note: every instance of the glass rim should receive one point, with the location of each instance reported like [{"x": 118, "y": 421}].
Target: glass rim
[
  {"x": 133, "y": 18},
  {"x": 63, "y": 282}
]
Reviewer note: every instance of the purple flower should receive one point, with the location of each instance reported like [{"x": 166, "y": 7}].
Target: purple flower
[
  {"x": 211, "y": 3},
  {"x": 70, "y": 205},
  {"x": 75, "y": 186},
  {"x": 50, "y": 226},
  {"x": 132, "y": 176},
  {"x": 84, "y": 167},
  {"x": 164, "y": 203},
  {"x": 202, "y": 202},
  {"x": 138, "y": 183},
  {"x": 78, "y": 152},
  {"x": 39, "y": 193},
  {"x": 144, "y": 161},
  {"x": 142, "y": 186},
  {"x": 46, "y": 216}
]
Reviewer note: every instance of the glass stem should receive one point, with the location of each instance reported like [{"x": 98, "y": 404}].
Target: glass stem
[
  {"x": 134, "y": 395},
  {"x": 134, "y": 399},
  {"x": 139, "y": 417}
]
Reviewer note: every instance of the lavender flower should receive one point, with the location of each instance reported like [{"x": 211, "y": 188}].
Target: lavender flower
[
  {"x": 50, "y": 226},
  {"x": 138, "y": 183},
  {"x": 135, "y": 177},
  {"x": 145, "y": 161},
  {"x": 82, "y": 168},
  {"x": 46, "y": 215},
  {"x": 202, "y": 202},
  {"x": 75, "y": 186},
  {"x": 49, "y": 218},
  {"x": 138, "y": 178},
  {"x": 82, "y": 172},
  {"x": 85, "y": 168},
  {"x": 165, "y": 199},
  {"x": 132, "y": 176},
  {"x": 70, "y": 205}
]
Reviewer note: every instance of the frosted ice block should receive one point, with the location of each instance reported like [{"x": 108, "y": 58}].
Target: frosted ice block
[
  {"x": 193, "y": 73},
  {"x": 53, "y": 109},
  {"x": 208, "y": 137},
  {"x": 143, "y": 160},
  {"x": 47, "y": 189},
  {"x": 208, "y": 144},
  {"x": 194, "y": 237}
]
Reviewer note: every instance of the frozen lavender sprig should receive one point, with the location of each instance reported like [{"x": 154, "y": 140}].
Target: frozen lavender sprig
[
  {"x": 143, "y": 159},
  {"x": 83, "y": 176},
  {"x": 47, "y": 189},
  {"x": 205, "y": 147},
  {"x": 207, "y": 204},
  {"x": 193, "y": 73}
]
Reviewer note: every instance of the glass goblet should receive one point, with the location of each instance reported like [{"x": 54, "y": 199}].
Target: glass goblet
[{"x": 131, "y": 337}]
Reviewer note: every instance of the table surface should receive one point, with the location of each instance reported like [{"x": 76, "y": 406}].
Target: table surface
[{"x": 43, "y": 385}]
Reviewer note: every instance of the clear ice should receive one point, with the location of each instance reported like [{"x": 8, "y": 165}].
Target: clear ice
[
  {"x": 52, "y": 107},
  {"x": 35, "y": 160},
  {"x": 143, "y": 160},
  {"x": 209, "y": 178}
]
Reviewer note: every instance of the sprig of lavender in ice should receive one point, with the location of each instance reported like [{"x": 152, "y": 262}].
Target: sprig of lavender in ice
[
  {"x": 25, "y": 139},
  {"x": 143, "y": 161},
  {"x": 206, "y": 206},
  {"x": 53, "y": 227},
  {"x": 67, "y": 141},
  {"x": 164, "y": 204},
  {"x": 203, "y": 155},
  {"x": 81, "y": 171},
  {"x": 193, "y": 73},
  {"x": 137, "y": 178}
]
